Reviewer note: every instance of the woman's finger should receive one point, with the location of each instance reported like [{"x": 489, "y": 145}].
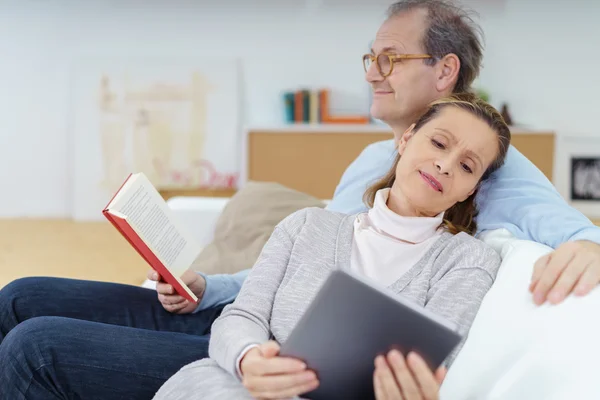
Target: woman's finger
[
  {"x": 274, "y": 366},
  {"x": 281, "y": 386},
  {"x": 440, "y": 374},
  {"x": 407, "y": 383},
  {"x": 388, "y": 382},
  {"x": 378, "y": 386},
  {"x": 424, "y": 376}
]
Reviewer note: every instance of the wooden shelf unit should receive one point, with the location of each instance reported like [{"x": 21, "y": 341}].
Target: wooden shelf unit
[{"x": 312, "y": 158}]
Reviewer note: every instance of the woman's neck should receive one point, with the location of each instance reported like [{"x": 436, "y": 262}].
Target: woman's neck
[{"x": 399, "y": 204}]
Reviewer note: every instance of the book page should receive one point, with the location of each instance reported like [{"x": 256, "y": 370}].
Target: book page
[{"x": 150, "y": 216}]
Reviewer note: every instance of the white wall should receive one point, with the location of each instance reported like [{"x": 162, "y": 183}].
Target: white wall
[{"x": 541, "y": 57}]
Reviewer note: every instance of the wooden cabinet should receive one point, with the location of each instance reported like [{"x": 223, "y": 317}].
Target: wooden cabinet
[{"x": 312, "y": 158}]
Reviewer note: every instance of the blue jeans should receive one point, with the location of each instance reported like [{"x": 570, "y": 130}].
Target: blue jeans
[{"x": 73, "y": 339}]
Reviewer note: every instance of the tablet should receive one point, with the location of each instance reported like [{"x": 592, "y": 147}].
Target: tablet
[{"x": 350, "y": 322}]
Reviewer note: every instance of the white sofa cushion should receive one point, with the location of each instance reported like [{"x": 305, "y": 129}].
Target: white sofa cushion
[
  {"x": 198, "y": 214},
  {"x": 514, "y": 347}
]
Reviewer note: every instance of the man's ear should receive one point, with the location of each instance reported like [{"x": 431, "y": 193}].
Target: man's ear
[
  {"x": 405, "y": 138},
  {"x": 447, "y": 70}
]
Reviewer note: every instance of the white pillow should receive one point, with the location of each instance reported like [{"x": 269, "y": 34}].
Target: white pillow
[
  {"x": 517, "y": 350},
  {"x": 498, "y": 239}
]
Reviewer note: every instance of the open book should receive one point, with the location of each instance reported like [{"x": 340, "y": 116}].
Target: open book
[{"x": 142, "y": 216}]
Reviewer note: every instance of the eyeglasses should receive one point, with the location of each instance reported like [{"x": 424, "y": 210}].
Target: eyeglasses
[{"x": 385, "y": 61}]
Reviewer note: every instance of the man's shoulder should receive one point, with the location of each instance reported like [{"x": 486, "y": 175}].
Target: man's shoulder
[
  {"x": 376, "y": 158},
  {"x": 517, "y": 165}
]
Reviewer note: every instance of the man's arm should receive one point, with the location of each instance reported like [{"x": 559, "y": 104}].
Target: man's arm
[
  {"x": 520, "y": 198},
  {"x": 372, "y": 164},
  {"x": 221, "y": 289}
]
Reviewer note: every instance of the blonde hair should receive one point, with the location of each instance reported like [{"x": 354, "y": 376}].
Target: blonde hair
[{"x": 461, "y": 216}]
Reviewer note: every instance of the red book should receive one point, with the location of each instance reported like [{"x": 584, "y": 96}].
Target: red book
[{"x": 142, "y": 216}]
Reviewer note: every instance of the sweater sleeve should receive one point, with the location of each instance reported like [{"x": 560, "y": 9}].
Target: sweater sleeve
[
  {"x": 458, "y": 294},
  {"x": 247, "y": 320}
]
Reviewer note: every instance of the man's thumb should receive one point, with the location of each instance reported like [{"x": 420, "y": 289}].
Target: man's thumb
[{"x": 270, "y": 349}]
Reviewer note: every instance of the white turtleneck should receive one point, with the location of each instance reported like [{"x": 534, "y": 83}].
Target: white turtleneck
[{"x": 386, "y": 245}]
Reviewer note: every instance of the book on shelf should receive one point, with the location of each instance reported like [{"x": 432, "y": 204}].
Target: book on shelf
[
  {"x": 312, "y": 106},
  {"x": 141, "y": 215}
]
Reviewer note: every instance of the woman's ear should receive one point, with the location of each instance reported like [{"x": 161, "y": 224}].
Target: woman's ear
[
  {"x": 447, "y": 72},
  {"x": 405, "y": 138},
  {"x": 470, "y": 193}
]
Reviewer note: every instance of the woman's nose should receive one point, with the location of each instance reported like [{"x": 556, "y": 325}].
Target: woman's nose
[{"x": 443, "y": 167}]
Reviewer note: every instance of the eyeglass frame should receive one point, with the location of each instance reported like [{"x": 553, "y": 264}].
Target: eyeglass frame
[{"x": 393, "y": 58}]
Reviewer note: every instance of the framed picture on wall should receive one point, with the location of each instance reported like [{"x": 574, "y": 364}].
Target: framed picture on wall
[
  {"x": 178, "y": 121},
  {"x": 585, "y": 178}
]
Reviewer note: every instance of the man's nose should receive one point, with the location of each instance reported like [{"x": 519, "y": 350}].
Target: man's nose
[{"x": 372, "y": 74}]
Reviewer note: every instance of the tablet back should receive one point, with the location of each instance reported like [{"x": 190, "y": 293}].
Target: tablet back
[{"x": 349, "y": 323}]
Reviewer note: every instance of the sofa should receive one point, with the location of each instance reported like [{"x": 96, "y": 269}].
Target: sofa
[{"x": 515, "y": 350}]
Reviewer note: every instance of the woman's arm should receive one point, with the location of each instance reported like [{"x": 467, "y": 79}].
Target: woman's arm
[
  {"x": 247, "y": 320},
  {"x": 458, "y": 294}
]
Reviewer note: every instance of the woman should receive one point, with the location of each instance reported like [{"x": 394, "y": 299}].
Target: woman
[{"x": 415, "y": 239}]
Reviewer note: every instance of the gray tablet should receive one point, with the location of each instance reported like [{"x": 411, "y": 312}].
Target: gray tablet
[{"x": 349, "y": 323}]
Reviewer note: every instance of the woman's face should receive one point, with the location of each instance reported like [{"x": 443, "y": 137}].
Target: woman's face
[{"x": 442, "y": 163}]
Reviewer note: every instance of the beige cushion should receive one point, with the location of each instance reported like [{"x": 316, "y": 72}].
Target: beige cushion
[{"x": 246, "y": 224}]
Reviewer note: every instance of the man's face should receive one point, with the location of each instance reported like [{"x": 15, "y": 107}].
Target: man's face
[{"x": 401, "y": 97}]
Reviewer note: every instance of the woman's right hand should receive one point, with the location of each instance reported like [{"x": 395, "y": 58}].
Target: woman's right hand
[{"x": 267, "y": 376}]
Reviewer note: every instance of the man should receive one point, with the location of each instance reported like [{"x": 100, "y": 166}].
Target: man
[
  {"x": 519, "y": 198},
  {"x": 52, "y": 346}
]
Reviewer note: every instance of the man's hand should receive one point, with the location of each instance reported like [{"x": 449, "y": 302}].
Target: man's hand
[
  {"x": 398, "y": 379},
  {"x": 574, "y": 267},
  {"x": 170, "y": 300},
  {"x": 267, "y": 376}
]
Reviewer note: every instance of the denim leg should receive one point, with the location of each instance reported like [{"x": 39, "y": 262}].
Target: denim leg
[
  {"x": 104, "y": 302},
  {"x": 72, "y": 339},
  {"x": 64, "y": 358}
]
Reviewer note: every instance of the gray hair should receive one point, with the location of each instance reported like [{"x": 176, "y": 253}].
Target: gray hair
[{"x": 451, "y": 30}]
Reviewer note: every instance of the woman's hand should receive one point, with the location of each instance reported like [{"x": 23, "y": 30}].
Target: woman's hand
[
  {"x": 170, "y": 300},
  {"x": 267, "y": 376},
  {"x": 410, "y": 379}
]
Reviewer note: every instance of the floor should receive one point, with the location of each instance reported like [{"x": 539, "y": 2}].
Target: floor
[{"x": 64, "y": 248}]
